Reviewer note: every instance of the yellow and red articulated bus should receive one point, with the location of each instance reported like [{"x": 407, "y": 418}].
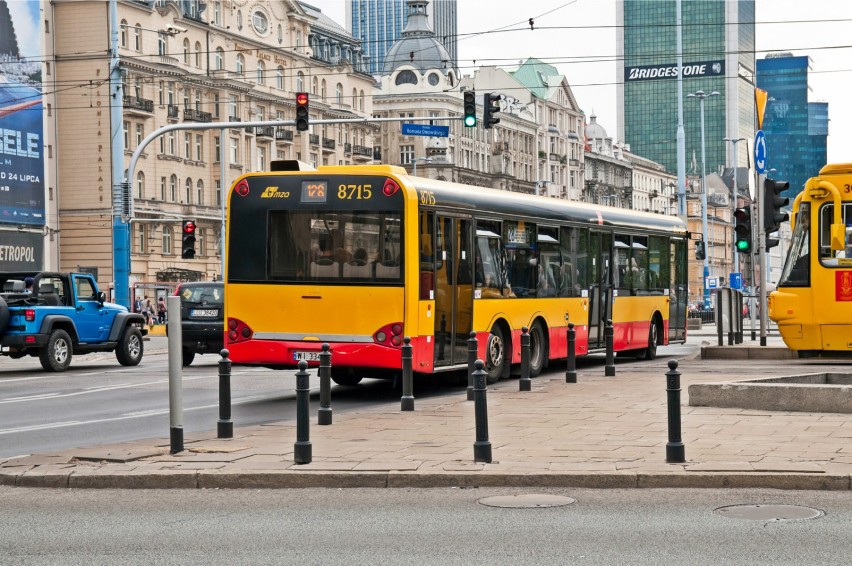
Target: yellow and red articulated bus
[
  {"x": 361, "y": 256},
  {"x": 812, "y": 304}
]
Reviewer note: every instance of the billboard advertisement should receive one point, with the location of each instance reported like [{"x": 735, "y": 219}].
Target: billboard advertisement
[
  {"x": 669, "y": 71},
  {"x": 21, "y": 119}
]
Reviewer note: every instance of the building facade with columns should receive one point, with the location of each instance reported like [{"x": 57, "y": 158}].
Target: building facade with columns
[{"x": 184, "y": 61}]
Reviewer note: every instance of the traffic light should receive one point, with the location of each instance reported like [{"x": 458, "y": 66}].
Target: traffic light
[
  {"x": 303, "y": 117},
  {"x": 490, "y": 107},
  {"x": 773, "y": 202},
  {"x": 469, "y": 108},
  {"x": 742, "y": 230},
  {"x": 700, "y": 252},
  {"x": 188, "y": 239}
]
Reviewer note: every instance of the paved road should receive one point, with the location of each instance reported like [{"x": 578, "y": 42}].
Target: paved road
[{"x": 414, "y": 526}]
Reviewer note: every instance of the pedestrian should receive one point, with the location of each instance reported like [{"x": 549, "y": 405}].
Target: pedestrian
[
  {"x": 28, "y": 285},
  {"x": 137, "y": 305},
  {"x": 161, "y": 310},
  {"x": 149, "y": 311}
]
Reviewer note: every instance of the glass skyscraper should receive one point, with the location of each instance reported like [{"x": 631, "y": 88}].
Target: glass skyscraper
[
  {"x": 379, "y": 24},
  {"x": 718, "y": 56},
  {"x": 796, "y": 130}
]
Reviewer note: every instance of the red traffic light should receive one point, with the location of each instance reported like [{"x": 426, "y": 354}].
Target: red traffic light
[
  {"x": 302, "y": 98},
  {"x": 189, "y": 227}
]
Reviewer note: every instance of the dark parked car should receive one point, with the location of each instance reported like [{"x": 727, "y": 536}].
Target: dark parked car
[{"x": 202, "y": 315}]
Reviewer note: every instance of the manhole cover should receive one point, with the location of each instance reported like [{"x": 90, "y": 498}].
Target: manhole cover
[
  {"x": 528, "y": 501},
  {"x": 769, "y": 512}
]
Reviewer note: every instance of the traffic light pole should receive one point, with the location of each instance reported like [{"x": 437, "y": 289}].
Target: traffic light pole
[{"x": 761, "y": 249}]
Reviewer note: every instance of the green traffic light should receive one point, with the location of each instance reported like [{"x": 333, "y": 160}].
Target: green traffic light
[
  {"x": 742, "y": 245},
  {"x": 469, "y": 121}
]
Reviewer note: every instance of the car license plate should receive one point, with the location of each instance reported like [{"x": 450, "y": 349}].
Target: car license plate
[
  {"x": 204, "y": 312},
  {"x": 306, "y": 356}
]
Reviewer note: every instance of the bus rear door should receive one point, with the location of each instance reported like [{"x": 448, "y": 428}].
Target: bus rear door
[
  {"x": 453, "y": 290},
  {"x": 600, "y": 289}
]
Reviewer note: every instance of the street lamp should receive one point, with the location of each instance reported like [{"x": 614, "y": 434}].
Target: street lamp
[
  {"x": 736, "y": 193},
  {"x": 700, "y": 95},
  {"x": 423, "y": 159}
]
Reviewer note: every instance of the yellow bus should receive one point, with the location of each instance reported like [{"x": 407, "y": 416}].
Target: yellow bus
[
  {"x": 812, "y": 303},
  {"x": 361, "y": 256}
]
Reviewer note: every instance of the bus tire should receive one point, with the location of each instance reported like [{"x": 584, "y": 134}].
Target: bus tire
[
  {"x": 345, "y": 379},
  {"x": 538, "y": 349},
  {"x": 653, "y": 339},
  {"x": 495, "y": 355}
]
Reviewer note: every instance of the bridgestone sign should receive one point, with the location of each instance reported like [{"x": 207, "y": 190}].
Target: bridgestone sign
[{"x": 656, "y": 72}]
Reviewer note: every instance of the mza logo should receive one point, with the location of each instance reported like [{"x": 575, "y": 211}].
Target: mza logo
[
  {"x": 273, "y": 192},
  {"x": 843, "y": 285}
]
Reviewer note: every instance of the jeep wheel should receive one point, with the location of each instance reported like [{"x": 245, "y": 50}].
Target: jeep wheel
[
  {"x": 4, "y": 314},
  {"x": 130, "y": 348},
  {"x": 188, "y": 356},
  {"x": 56, "y": 355}
]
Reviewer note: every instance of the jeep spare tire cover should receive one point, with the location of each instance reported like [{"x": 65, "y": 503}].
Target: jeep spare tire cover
[{"x": 4, "y": 314}]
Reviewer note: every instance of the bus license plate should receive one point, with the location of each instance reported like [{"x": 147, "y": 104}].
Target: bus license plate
[
  {"x": 306, "y": 356},
  {"x": 204, "y": 312}
]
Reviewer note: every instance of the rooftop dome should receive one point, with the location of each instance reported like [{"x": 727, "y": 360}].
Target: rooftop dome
[
  {"x": 595, "y": 131},
  {"x": 418, "y": 46}
]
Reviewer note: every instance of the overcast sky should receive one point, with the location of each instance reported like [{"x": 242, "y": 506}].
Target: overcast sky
[{"x": 584, "y": 50}]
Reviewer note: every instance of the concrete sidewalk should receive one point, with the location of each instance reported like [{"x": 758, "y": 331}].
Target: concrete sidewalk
[{"x": 601, "y": 432}]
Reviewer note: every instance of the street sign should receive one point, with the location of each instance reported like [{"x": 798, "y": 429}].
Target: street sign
[
  {"x": 736, "y": 280},
  {"x": 710, "y": 282},
  {"x": 425, "y": 130},
  {"x": 760, "y": 152}
]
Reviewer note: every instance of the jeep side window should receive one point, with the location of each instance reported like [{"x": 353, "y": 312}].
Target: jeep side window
[{"x": 85, "y": 291}]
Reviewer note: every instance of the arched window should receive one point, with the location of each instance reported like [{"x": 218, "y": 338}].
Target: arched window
[
  {"x": 162, "y": 46},
  {"x": 322, "y": 91},
  {"x": 406, "y": 77},
  {"x": 186, "y": 51},
  {"x": 339, "y": 93},
  {"x": 261, "y": 71},
  {"x": 279, "y": 78},
  {"x": 167, "y": 240},
  {"x": 219, "y": 59},
  {"x": 360, "y": 101},
  {"x": 188, "y": 191},
  {"x": 198, "y": 54},
  {"x": 140, "y": 185},
  {"x": 199, "y": 192},
  {"x": 354, "y": 99},
  {"x": 241, "y": 64},
  {"x": 300, "y": 82},
  {"x": 173, "y": 188},
  {"x": 314, "y": 86},
  {"x": 137, "y": 38},
  {"x": 124, "y": 33}
]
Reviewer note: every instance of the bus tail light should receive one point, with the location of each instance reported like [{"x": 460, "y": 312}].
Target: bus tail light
[
  {"x": 238, "y": 331},
  {"x": 390, "y": 188},
  {"x": 389, "y": 335},
  {"x": 242, "y": 188},
  {"x": 29, "y": 315}
]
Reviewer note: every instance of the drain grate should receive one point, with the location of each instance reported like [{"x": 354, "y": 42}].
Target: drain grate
[
  {"x": 528, "y": 501},
  {"x": 769, "y": 512}
]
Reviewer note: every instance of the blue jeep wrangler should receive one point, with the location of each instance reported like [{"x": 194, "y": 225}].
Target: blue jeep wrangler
[{"x": 65, "y": 314}]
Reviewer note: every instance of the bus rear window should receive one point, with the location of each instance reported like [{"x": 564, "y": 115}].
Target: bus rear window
[{"x": 334, "y": 246}]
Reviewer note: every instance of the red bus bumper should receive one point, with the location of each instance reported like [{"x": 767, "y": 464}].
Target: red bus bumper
[{"x": 344, "y": 354}]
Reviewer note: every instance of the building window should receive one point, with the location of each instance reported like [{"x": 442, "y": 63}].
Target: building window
[
  {"x": 218, "y": 187},
  {"x": 199, "y": 192},
  {"x": 186, "y": 51},
  {"x": 217, "y": 149},
  {"x": 300, "y": 82},
  {"x": 200, "y": 242},
  {"x": 322, "y": 91},
  {"x": 198, "y": 100},
  {"x": 406, "y": 154},
  {"x": 280, "y": 34},
  {"x": 126, "y": 129},
  {"x": 406, "y": 77},
  {"x": 215, "y": 105},
  {"x": 261, "y": 158},
  {"x": 199, "y": 147},
  {"x": 314, "y": 86},
  {"x": 124, "y": 33},
  {"x": 140, "y": 185},
  {"x": 141, "y": 238},
  {"x": 279, "y": 78},
  {"x": 217, "y": 12},
  {"x": 239, "y": 19},
  {"x": 173, "y": 188},
  {"x": 198, "y": 54},
  {"x": 137, "y": 38},
  {"x": 163, "y": 189},
  {"x": 187, "y": 193},
  {"x": 339, "y": 93},
  {"x": 140, "y": 134},
  {"x": 241, "y": 64},
  {"x": 162, "y": 49},
  {"x": 170, "y": 143},
  {"x": 260, "y": 22},
  {"x": 232, "y": 108},
  {"x": 187, "y": 145},
  {"x": 219, "y": 59},
  {"x": 167, "y": 240},
  {"x": 235, "y": 151},
  {"x": 261, "y": 71}
]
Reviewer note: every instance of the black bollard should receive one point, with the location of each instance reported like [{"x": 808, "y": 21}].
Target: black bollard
[
  {"x": 609, "y": 368},
  {"x": 571, "y": 370},
  {"x": 472, "y": 351},
  {"x": 482, "y": 446},
  {"x": 225, "y": 426},
  {"x": 302, "y": 447},
  {"x": 525, "y": 384},
  {"x": 324, "y": 371},
  {"x": 674, "y": 448},
  {"x": 407, "y": 402}
]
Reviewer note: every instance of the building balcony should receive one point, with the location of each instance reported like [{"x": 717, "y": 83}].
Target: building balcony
[
  {"x": 138, "y": 106},
  {"x": 282, "y": 134},
  {"x": 328, "y": 144},
  {"x": 314, "y": 139},
  {"x": 265, "y": 131},
  {"x": 363, "y": 152},
  {"x": 347, "y": 148},
  {"x": 192, "y": 115}
]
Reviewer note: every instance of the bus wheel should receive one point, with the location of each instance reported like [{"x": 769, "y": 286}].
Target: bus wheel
[
  {"x": 538, "y": 349},
  {"x": 345, "y": 379},
  {"x": 651, "y": 350},
  {"x": 495, "y": 355}
]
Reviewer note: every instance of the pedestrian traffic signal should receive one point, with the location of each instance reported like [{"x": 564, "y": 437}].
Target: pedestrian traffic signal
[
  {"x": 490, "y": 107},
  {"x": 773, "y": 202},
  {"x": 188, "y": 239},
  {"x": 700, "y": 252},
  {"x": 742, "y": 230},
  {"x": 303, "y": 118},
  {"x": 469, "y": 97}
]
